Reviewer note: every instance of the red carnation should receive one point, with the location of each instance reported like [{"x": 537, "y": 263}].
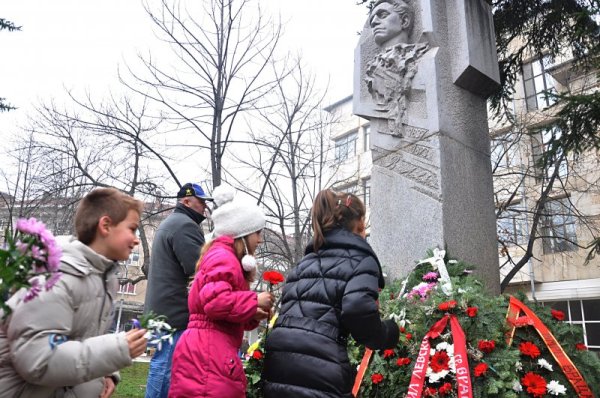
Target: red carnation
[
  {"x": 480, "y": 369},
  {"x": 447, "y": 305},
  {"x": 377, "y": 378},
  {"x": 388, "y": 353},
  {"x": 472, "y": 311},
  {"x": 408, "y": 336},
  {"x": 257, "y": 354},
  {"x": 446, "y": 388},
  {"x": 273, "y": 277},
  {"x": 403, "y": 361},
  {"x": 529, "y": 349},
  {"x": 558, "y": 315},
  {"x": 440, "y": 361},
  {"x": 534, "y": 384},
  {"x": 429, "y": 392},
  {"x": 402, "y": 329},
  {"x": 581, "y": 347},
  {"x": 486, "y": 346}
]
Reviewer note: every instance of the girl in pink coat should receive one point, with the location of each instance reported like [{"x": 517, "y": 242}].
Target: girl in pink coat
[{"x": 206, "y": 361}]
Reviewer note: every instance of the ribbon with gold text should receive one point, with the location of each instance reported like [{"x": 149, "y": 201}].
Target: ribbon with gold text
[
  {"x": 463, "y": 375},
  {"x": 515, "y": 307}
]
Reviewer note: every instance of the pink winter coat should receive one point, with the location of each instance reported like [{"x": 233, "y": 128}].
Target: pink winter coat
[{"x": 206, "y": 361}]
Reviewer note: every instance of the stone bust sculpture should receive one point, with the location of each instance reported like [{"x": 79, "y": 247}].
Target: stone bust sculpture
[
  {"x": 389, "y": 74},
  {"x": 391, "y": 22}
]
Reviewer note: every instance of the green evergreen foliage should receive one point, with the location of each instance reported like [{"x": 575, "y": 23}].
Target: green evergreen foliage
[
  {"x": 535, "y": 28},
  {"x": 5, "y": 24}
]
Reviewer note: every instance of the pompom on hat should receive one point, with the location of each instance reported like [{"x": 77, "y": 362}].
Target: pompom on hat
[{"x": 235, "y": 217}]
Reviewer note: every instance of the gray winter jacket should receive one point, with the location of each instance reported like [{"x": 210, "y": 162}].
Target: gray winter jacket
[{"x": 55, "y": 345}]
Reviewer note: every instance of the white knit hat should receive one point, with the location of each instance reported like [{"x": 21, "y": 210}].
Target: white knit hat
[{"x": 235, "y": 217}]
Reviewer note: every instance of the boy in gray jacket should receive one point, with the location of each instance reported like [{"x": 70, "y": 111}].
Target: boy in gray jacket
[{"x": 56, "y": 344}]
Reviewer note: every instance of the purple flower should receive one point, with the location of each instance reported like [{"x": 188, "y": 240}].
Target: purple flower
[
  {"x": 136, "y": 324},
  {"x": 431, "y": 276},
  {"x": 52, "y": 280},
  {"x": 34, "y": 290},
  {"x": 22, "y": 247},
  {"x": 30, "y": 226}
]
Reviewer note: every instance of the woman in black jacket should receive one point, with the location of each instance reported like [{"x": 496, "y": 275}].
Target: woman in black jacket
[{"x": 331, "y": 294}]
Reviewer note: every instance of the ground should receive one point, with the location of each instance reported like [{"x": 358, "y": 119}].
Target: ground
[{"x": 133, "y": 381}]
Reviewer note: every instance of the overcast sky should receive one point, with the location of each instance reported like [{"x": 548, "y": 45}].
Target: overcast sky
[{"x": 79, "y": 44}]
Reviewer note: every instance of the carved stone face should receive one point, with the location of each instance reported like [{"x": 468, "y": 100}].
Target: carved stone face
[{"x": 385, "y": 23}]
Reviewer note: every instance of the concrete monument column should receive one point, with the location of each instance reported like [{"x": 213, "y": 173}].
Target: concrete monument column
[{"x": 423, "y": 70}]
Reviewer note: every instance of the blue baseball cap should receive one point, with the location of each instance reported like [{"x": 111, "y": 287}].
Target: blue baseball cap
[{"x": 191, "y": 189}]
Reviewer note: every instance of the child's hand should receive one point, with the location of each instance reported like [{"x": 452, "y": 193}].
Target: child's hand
[
  {"x": 136, "y": 342},
  {"x": 109, "y": 387},
  {"x": 260, "y": 314},
  {"x": 265, "y": 301}
]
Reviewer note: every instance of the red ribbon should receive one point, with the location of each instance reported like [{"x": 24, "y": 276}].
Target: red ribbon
[
  {"x": 463, "y": 376},
  {"x": 514, "y": 309},
  {"x": 362, "y": 369}
]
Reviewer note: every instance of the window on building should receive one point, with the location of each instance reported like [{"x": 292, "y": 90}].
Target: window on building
[
  {"x": 537, "y": 83},
  {"x": 367, "y": 191},
  {"x": 511, "y": 224},
  {"x": 345, "y": 147},
  {"x": 367, "y": 137},
  {"x": 585, "y": 313},
  {"x": 558, "y": 227},
  {"x": 505, "y": 151},
  {"x": 127, "y": 288},
  {"x": 542, "y": 140}
]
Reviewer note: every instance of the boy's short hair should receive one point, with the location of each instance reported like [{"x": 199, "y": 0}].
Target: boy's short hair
[{"x": 99, "y": 203}]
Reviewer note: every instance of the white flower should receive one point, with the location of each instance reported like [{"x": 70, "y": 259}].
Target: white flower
[
  {"x": 517, "y": 386},
  {"x": 555, "y": 388},
  {"x": 442, "y": 346},
  {"x": 435, "y": 377},
  {"x": 544, "y": 364},
  {"x": 518, "y": 366}
]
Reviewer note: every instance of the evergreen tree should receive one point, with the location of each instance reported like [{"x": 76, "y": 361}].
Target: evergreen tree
[{"x": 5, "y": 24}]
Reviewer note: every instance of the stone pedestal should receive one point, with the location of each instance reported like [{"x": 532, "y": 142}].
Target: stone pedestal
[{"x": 425, "y": 97}]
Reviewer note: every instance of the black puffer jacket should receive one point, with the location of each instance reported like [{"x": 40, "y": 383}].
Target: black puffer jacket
[{"x": 330, "y": 294}]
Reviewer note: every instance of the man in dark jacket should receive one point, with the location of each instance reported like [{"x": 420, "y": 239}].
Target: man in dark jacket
[{"x": 175, "y": 251}]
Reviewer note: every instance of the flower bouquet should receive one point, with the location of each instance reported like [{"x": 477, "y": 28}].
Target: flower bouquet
[
  {"x": 459, "y": 343},
  {"x": 30, "y": 259},
  {"x": 158, "y": 330}
]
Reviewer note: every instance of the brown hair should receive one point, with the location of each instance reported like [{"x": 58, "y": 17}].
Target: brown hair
[
  {"x": 99, "y": 203},
  {"x": 240, "y": 252},
  {"x": 334, "y": 209}
]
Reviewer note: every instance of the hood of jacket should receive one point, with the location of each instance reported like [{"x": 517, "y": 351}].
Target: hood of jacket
[{"x": 77, "y": 257}]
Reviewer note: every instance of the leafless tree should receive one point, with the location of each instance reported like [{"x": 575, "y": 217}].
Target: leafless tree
[
  {"x": 111, "y": 143},
  {"x": 31, "y": 188},
  {"x": 289, "y": 163},
  {"x": 221, "y": 50}
]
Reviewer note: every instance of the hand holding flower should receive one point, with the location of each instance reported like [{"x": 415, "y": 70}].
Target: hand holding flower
[
  {"x": 137, "y": 342},
  {"x": 265, "y": 301},
  {"x": 157, "y": 329},
  {"x": 260, "y": 314}
]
